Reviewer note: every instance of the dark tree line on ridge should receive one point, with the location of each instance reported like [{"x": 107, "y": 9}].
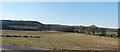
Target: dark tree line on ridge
[{"x": 37, "y": 26}]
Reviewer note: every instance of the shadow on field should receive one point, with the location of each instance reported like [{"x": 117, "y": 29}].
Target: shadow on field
[{"x": 25, "y": 36}]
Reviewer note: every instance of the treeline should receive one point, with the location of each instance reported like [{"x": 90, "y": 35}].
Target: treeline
[
  {"x": 37, "y": 26},
  {"x": 21, "y": 25}
]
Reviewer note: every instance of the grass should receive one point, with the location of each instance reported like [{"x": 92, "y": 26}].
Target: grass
[
  {"x": 111, "y": 32},
  {"x": 60, "y": 40}
]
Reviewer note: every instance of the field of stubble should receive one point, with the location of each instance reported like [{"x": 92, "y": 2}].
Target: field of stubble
[{"x": 59, "y": 40}]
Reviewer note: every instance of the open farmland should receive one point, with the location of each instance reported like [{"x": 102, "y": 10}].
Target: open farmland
[{"x": 59, "y": 40}]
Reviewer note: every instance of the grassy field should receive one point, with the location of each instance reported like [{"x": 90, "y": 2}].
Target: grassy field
[{"x": 60, "y": 40}]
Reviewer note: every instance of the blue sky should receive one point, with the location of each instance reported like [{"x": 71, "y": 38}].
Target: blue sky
[
  {"x": 59, "y": 0},
  {"x": 102, "y": 14}
]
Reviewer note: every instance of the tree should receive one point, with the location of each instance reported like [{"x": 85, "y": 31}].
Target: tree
[
  {"x": 93, "y": 29},
  {"x": 118, "y": 33}
]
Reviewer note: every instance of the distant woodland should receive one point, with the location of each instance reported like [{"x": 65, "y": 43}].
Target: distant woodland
[{"x": 37, "y": 26}]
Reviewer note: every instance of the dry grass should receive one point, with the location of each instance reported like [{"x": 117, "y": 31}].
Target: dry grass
[{"x": 61, "y": 40}]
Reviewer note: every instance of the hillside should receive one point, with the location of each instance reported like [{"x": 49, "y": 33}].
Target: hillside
[
  {"x": 32, "y": 26},
  {"x": 21, "y": 25},
  {"x": 37, "y": 26},
  {"x": 29, "y": 25}
]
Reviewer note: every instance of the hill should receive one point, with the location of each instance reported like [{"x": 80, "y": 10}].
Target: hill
[
  {"x": 37, "y": 26},
  {"x": 21, "y": 25}
]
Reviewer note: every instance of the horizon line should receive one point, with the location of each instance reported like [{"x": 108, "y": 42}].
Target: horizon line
[{"x": 65, "y": 24}]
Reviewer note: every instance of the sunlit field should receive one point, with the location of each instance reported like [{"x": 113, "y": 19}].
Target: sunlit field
[{"x": 54, "y": 40}]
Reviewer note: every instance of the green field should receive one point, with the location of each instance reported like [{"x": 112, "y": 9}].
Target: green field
[{"x": 60, "y": 40}]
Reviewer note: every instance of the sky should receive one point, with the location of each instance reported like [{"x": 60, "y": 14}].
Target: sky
[
  {"x": 102, "y": 14},
  {"x": 59, "y": 0}
]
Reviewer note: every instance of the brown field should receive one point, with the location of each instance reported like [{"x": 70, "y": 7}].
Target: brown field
[{"x": 59, "y": 40}]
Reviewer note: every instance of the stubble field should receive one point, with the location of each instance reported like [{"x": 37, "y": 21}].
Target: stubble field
[{"x": 59, "y": 40}]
